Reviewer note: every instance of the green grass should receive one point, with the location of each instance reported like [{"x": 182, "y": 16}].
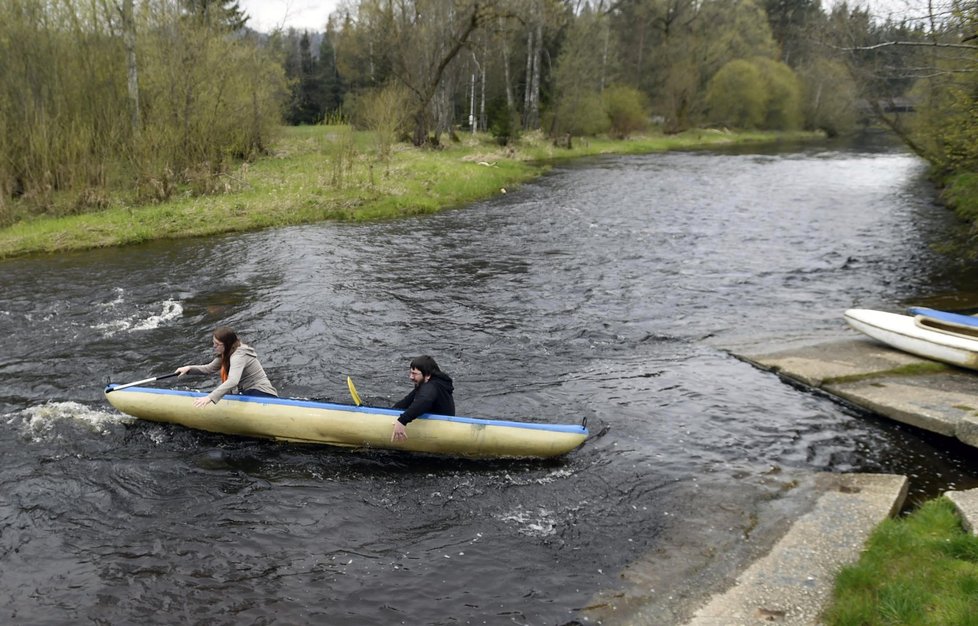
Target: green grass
[
  {"x": 918, "y": 570},
  {"x": 317, "y": 173},
  {"x": 912, "y": 369}
]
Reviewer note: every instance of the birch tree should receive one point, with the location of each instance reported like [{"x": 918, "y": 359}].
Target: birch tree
[{"x": 132, "y": 68}]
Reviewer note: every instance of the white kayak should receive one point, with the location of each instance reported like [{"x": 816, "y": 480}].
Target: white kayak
[{"x": 922, "y": 336}]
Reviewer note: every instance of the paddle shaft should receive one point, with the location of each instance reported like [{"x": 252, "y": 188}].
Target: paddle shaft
[{"x": 142, "y": 382}]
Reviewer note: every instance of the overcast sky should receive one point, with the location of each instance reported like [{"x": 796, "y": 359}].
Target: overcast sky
[{"x": 267, "y": 15}]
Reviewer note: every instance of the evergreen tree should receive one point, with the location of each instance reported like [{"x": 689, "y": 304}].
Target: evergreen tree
[
  {"x": 222, "y": 13},
  {"x": 309, "y": 98},
  {"x": 793, "y": 24},
  {"x": 331, "y": 85},
  {"x": 293, "y": 71}
]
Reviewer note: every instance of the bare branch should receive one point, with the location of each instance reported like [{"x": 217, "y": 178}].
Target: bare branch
[{"x": 916, "y": 44}]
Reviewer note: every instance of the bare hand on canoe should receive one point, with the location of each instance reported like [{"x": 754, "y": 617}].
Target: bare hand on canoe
[
  {"x": 199, "y": 402},
  {"x": 400, "y": 433}
]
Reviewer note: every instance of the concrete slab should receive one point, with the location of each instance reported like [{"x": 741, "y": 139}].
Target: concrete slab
[
  {"x": 814, "y": 364},
  {"x": 793, "y": 583},
  {"x": 966, "y": 503},
  {"x": 919, "y": 401},
  {"x": 967, "y": 430}
]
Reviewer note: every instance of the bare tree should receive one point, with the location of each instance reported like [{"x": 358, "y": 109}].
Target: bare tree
[{"x": 423, "y": 38}]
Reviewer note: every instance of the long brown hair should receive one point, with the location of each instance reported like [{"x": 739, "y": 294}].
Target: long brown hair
[{"x": 227, "y": 336}]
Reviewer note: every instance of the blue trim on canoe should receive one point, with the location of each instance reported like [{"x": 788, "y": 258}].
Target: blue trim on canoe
[
  {"x": 944, "y": 316},
  {"x": 561, "y": 428}
]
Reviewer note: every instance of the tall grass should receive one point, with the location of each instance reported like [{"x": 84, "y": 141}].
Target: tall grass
[{"x": 70, "y": 141}]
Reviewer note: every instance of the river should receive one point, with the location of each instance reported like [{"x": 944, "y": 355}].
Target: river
[{"x": 609, "y": 289}]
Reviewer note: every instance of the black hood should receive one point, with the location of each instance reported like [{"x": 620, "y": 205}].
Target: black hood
[{"x": 443, "y": 380}]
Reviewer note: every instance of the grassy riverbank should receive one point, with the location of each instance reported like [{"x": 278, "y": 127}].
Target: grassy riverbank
[
  {"x": 318, "y": 173},
  {"x": 922, "y": 569}
]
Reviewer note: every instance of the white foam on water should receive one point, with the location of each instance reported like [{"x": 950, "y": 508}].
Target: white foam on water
[
  {"x": 40, "y": 422},
  {"x": 111, "y": 328},
  {"x": 539, "y": 523},
  {"x": 550, "y": 477},
  {"x": 118, "y": 298},
  {"x": 171, "y": 309}
]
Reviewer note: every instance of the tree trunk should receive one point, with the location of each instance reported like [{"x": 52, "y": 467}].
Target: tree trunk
[
  {"x": 527, "y": 94},
  {"x": 531, "y": 100},
  {"x": 444, "y": 118},
  {"x": 472, "y": 122},
  {"x": 129, "y": 41},
  {"x": 604, "y": 51},
  {"x": 509, "y": 82},
  {"x": 482, "y": 100},
  {"x": 534, "y": 114}
]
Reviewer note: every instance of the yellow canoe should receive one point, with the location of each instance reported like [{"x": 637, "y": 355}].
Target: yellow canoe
[{"x": 306, "y": 421}]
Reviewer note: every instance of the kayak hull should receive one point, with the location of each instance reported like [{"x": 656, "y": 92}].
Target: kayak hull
[
  {"x": 911, "y": 334},
  {"x": 348, "y": 426}
]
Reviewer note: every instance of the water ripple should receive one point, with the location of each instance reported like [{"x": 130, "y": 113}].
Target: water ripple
[{"x": 602, "y": 291}]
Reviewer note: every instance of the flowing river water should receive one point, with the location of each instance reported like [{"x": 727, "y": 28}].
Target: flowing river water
[{"x": 609, "y": 289}]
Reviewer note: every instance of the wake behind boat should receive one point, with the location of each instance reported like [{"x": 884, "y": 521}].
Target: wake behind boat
[
  {"x": 326, "y": 423},
  {"x": 923, "y": 336}
]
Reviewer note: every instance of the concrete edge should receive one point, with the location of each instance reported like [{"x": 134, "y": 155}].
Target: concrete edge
[
  {"x": 966, "y": 503},
  {"x": 793, "y": 583}
]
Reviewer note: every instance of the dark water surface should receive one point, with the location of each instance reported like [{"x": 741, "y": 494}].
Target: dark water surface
[{"x": 608, "y": 289}]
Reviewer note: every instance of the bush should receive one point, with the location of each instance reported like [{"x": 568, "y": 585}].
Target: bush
[
  {"x": 735, "y": 96},
  {"x": 758, "y": 93},
  {"x": 386, "y": 112},
  {"x": 782, "y": 110},
  {"x": 627, "y": 109},
  {"x": 580, "y": 115},
  {"x": 829, "y": 102}
]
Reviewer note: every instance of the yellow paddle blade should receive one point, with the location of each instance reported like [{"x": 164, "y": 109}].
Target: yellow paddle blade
[{"x": 353, "y": 391}]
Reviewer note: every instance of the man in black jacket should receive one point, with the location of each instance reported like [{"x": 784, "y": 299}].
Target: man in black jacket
[{"x": 432, "y": 393}]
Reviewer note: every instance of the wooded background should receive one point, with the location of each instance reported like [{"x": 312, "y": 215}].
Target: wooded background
[{"x": 152, "y": 95}]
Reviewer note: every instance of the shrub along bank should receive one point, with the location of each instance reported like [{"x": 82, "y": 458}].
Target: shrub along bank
[
  {"x": 961, "y": 193},
  {"x": 332, "y": 172}
]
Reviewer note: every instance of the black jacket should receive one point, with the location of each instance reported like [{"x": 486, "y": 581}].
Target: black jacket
[{"x": 434, "y": 396}]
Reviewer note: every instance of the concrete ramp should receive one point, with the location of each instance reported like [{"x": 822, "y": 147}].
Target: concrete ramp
[
  {"x": 793, "y": 583},
  {"x": 813, "y": 365},
  {"x": 925, "y": 394}
]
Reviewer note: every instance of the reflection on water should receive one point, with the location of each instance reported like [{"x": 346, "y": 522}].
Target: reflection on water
[{"x": 606, "y": 290}]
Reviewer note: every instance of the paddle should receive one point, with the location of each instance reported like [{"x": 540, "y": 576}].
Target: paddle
[
  {"x": 141, "y": 382},
  {"x": 353, "y": 391}
]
